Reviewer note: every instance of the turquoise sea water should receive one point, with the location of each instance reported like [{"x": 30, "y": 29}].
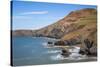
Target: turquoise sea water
[{"x": 31, "y": 51}]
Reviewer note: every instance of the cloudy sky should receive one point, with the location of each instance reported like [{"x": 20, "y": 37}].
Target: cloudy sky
[{"x": 35, "y": 15}]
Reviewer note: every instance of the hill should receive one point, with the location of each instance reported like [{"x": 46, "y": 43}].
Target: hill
[{"x": 77, "y": 24}]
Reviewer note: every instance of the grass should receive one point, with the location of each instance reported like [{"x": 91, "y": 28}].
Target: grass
[{"x": 81, "y": 26}]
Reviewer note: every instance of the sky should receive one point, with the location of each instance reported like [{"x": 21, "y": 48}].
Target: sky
[{"x": 35, "y": 15}]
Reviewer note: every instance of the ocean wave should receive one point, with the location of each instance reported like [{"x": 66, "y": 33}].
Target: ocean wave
[
  {"x": 45, "y": 45},
  {"x": 54, "y": 51},
  {"x": 74, "y": 58},
  {"x": 74, "y": 50},
  {"x": 57, "y": 57}
]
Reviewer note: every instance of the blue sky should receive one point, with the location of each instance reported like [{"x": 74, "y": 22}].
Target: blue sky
[{"x": 35, "y": 15}]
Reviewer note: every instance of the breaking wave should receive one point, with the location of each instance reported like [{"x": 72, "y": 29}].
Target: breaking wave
[
  {"x": 60, "y": 57},
  {"x": 44, "y": 44},
  {"x": 47, "y": 45},
  {"x": 57, "y": 57},
  {"x": 54, "y": 51}
]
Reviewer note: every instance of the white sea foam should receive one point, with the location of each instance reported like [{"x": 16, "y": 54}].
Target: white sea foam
[
  {"x": 51, "y": 39},
  {"x": 76, "y": 56},
  {"x": 57, "y": 57},
  {"x": 54, "y": 51},
  {"x": 74, "y": 50},
  {"x": 73, "y": 56},
  {"x": 46, "y": 45}
]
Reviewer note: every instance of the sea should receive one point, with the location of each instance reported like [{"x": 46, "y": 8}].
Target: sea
[{"x": 34, "y": 51}]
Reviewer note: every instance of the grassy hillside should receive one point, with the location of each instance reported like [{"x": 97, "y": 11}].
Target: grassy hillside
[{"x": 85, "y": 27}]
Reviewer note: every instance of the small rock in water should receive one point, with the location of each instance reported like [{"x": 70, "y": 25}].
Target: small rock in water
[
  {"x": 50, "y": 42},
  {"x": 82, "y": 52},
  {"x": 65, "y": 53}
]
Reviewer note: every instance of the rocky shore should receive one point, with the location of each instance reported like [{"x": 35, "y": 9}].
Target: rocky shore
[{"x": 89, "y": 48}]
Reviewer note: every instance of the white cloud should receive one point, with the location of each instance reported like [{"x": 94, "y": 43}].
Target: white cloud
[
  {"x": 24, "y": 14},
  {"x": 34, "y": 12}
]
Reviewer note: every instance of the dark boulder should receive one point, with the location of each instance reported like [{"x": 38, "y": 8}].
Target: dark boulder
[
  {"x": 72, "y": 42},
  {"x": 90, "y": 48},
  {"x": 50, "y": 42},
  {"x": 60, "y": 43},
  {"x": 82, "y": 51},
  {"x": 85, "y": 51},
  {"x": 65, "y": 53}
]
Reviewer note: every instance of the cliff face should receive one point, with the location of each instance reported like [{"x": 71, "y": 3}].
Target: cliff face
[{"x": 77, "y": 24}]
